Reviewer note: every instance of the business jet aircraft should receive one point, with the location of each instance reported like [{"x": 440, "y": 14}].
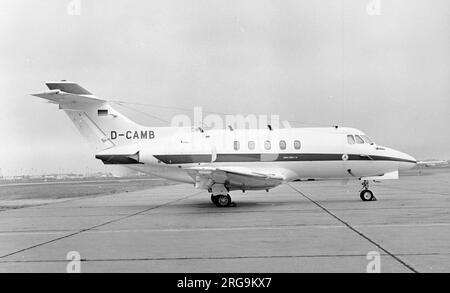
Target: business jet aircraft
[
  {"x": 224, "y": 160},
  {"x": 433, "y": 163}
]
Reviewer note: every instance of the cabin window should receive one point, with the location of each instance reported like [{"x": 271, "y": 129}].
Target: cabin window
[
  {"x": 350, "y": 139},
  {"x": 359, "y": 140},
  {"x": 297, "y": 144},
  {"x": 251, "y": 145},
  {"x": 282, "y": 145},
  {"x": 267, "y": 145},
  {"x": 236, "y": 145}
]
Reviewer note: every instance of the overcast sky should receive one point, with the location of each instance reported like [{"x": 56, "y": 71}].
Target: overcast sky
[{"x": 326, "y": 62}]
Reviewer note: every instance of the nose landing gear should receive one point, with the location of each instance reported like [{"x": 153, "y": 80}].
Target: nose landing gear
[{"x": 366, "y": 194}]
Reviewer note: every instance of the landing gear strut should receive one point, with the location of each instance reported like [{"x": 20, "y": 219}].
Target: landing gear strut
[{"x": 366, "y": 194}]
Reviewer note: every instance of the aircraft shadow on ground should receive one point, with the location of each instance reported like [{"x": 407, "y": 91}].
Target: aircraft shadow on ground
[{"x": 249, "y": 204}]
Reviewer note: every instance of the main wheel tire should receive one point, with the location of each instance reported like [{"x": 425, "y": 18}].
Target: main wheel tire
[
  {"x": 214, "y": 199},
  {"x": 223, "y": 200},
  {"x": 366, "y": 195}
]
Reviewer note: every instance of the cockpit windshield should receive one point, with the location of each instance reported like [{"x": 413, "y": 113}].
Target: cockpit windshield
[{"x": 367, "y": 139}]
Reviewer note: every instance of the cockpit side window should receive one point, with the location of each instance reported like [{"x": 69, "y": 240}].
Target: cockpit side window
[
  {"x": 367, "y": 139},
  {"x": 359, "y": 140},
  {"x": 350, "y": 139}
]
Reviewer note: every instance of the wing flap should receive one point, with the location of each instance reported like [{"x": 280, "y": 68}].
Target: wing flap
[{"x": 234, "y": 178}]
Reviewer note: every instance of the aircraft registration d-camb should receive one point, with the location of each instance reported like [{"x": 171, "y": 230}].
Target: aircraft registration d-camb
[{"x": 224, "y": 160}]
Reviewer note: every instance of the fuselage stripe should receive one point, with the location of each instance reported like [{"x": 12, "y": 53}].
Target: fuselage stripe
[{"x": 268, "y": 157}]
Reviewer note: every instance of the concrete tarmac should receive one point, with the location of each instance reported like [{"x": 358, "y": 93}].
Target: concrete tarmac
[{"x": 300, "y": 227}]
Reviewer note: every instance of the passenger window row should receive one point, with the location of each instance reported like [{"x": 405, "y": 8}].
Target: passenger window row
[{"x": 267, "y": 145}]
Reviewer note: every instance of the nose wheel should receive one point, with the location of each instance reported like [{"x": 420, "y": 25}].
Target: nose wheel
[{"x": 366, "y": 194}]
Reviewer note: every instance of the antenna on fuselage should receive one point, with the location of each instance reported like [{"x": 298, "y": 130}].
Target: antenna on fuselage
[
  {"x": 270, "y": 127},
  {"x": 230, "y": 127}
]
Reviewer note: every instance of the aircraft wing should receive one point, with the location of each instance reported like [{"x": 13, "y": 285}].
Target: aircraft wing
[
  {"x": 385, "y": 176},
  {"x": 235, "y": 178}
]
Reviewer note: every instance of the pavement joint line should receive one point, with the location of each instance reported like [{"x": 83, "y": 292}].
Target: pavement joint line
[
  {"x": 356, "y": 231},
  {"x": 216, "y": 257},
  {"x": 237, "y": 228},
  {"x": 306, "y": 210},
  {"x": 98, "y": 225},
  {"x": 245, "y": 211}
]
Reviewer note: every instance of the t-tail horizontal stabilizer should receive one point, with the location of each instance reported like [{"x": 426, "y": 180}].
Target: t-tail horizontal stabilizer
[
  {"x": 66, "y": 93},
  {"x": 94, "y": 118}
]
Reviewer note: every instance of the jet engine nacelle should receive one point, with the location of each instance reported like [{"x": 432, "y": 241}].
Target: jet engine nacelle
[
  {"x": 127, "y": 154},
  {"x": 144, "y": 153}
]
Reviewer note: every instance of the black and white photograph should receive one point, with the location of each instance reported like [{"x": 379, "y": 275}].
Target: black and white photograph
[{"x": 247, "y": 137}]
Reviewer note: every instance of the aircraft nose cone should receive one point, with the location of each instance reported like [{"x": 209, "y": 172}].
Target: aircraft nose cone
[{"x": 407, "y": 162}]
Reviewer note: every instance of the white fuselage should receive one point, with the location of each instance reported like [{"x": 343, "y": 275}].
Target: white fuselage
[{"x": 296, "y": 153}]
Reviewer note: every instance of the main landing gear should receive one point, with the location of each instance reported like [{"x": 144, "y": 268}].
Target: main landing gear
[
  {"x": 366, "y": 194},
  {"x": 220, "y": 196},
  {"x": 222, "y": 200}
]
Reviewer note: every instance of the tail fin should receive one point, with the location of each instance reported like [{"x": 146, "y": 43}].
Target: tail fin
[{"x": 95, "y": 118}]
